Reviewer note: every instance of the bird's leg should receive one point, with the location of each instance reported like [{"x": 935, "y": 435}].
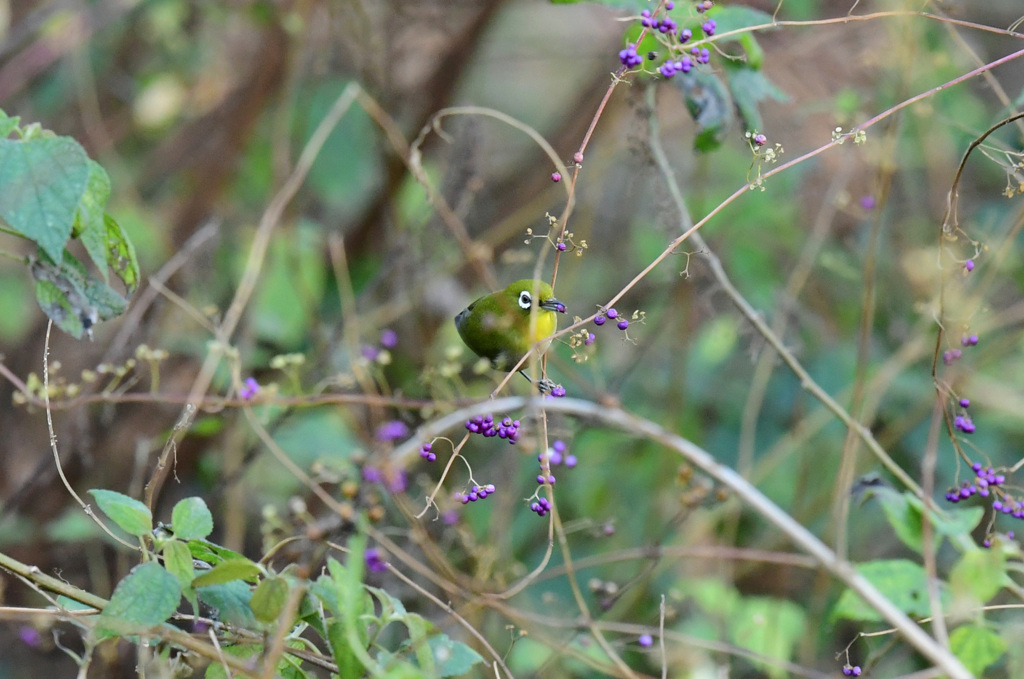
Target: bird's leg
[{"x": 543, "y": 384}]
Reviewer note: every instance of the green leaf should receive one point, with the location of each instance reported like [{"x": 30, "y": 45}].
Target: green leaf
[
  {"x": 977, "y": 647},
  {"x": 904, "y": 513},
  {"x": 68, "y": 295},
  {"x": 418, "y": 628},
  {"x": 129, "y": 514},
  {"x": 978, "y": 576},
  {"x": 344, "y": 657},
  {"x": 453, "y": 658},
  {"x": 770, "y": 628},
  {"x": 391, "y": 608},
  {"x": 707, "y": 99},
  {"x": 8, "y": 124},
  {"x": 215, "y": 670},
  {"x": 89, "y": 226},
  {"x": 178, "y": 562},
  {"x": 737, "y": 17},
  {"x": 212, "y": 554},
  {"x": 231, "y": 601},
  {"x": 268, "y": 599},
  {"x": 42, "y": 181},
  {"x": 903, "y": 582},
  {"x": 121, "y": 254},
  {"x": 146, "y": 597},
  {"x": 229, "y": 571},
  {"x": 191, "y": 519},
  {"x": 749, "y": 87}
]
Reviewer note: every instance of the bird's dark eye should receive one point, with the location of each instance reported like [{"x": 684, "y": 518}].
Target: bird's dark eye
[{"x": 525, "y": 300}]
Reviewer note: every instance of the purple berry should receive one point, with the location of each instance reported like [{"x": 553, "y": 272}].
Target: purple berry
[
  {"x": 612, "y": 314},
  {"x": 560, "y": 247},
  {"x": 599, "y": 319},
  {"x": 623, "y": 324},
  {"x": 556, "y": 177},
  {"x": 969, "y": 265},
  {"x": 965, "y": 403},
  {"x": 685, "y": 35},
  {"x": 645, "y": 640}
]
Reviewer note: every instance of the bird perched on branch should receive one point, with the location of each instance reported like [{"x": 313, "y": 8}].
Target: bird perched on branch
[{"x": 504, "y": 325}]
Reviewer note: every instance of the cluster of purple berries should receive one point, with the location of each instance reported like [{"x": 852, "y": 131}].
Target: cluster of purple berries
[
  {"x": 663, "y": 25},
  {"x": 540, "y": 506},
  {"x": 951, "y": 355},
  {"x": 963, "y": 422},
  {"x": 611, "y": 315},
  {"x": 475, "y": 493},
  {"x": 851, "y": 670},
  {"x": 507, "y": 429},
  {"x": 556, "y": 455},
  {"x": 426, "y": 453},
  {"x": 984, "y": 479}
]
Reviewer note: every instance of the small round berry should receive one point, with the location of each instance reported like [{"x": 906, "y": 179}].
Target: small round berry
[
  {"x": 558, "y": 446},
  {"x": 645, "y": 640},
  {"x": 670, "y": 5},
  {"x": 646, "y": 14},
  {"x": 558, "y": 391},
  {"x": 590, "y": 339},
  {"x": 560, "y": 308},
  {"x": 709, "y": 27},
  {"x": 599, "y": 319},
  {"x": 965, "y": 403},
  {"x": 560, "y": 247},
  {"x": 972, "y": 340},
  {"x": 623, "y": 324},
  {"x": 969, "y": 265},
  {"x": 556, "y": 177},
  {"x": 540, "y": 479},
  {"x": 577, "y": 157},
  {"x": 612, "y": 314},
  {"x": 570, "y": 461},
  {"x": 760, "y": 140},
  {"x": 685, "y": 35}
]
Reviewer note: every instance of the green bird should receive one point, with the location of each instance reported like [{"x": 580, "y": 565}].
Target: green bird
[{"x": 497, "y": 326}]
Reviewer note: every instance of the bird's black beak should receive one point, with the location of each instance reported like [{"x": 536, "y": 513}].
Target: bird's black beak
[{"x": 552, "y": 304}]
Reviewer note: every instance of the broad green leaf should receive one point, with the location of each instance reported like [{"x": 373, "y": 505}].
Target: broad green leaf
[
  {"x": 89, "y": 224},
  {"x": 191, "y": 519},
  {"x": 977, "y": 647},
  {"x": 978, "y": 576},
  {"x": 212, "y": 554},
  {"x": 708, "y": 101},
  {"x": 74, "y": 300},
  {"x": 178, "y": 562},
  {"x": 146, "y": 597},
  {"x": 231, "y": 601},
  {"x": 749, "y": 87},
  {"x": 904, "y": 512},
  {"x": 768, "y": 627},
  {"x": 129, "y": 514},
  {"x": 902, "y": 582},
  {"x": 452, "y": 658},
  {"x": 229, "y": 571},
  {"x": 42, "y": 181},
  {"x": 268, "y": 599}
]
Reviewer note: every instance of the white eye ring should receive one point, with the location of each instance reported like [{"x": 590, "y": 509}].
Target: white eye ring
[{"x": 525, "y": 300}]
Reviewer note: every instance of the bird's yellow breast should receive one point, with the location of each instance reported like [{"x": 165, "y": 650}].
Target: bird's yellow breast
[{"x": 545, "y": 325}]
